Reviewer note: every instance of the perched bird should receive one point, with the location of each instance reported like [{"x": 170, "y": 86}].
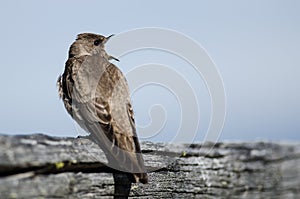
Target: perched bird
[{"x": 96, "y": 94}]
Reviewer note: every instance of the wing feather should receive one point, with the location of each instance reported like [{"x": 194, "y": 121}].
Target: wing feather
[{"x": 96, "y": 94}]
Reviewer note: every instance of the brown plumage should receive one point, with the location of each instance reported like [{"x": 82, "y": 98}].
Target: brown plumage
[{"x": 95, "y": 93}]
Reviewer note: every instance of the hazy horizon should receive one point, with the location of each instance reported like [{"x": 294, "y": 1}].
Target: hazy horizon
[{"x": 254, "y": 44}]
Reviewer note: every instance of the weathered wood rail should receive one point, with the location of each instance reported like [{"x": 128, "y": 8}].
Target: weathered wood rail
[{"x": 39, "y": 166}]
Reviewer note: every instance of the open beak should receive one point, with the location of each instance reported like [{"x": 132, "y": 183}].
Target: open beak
[
  {"x": 110, "y": 57},
  {"x": 107, "y": 38}
]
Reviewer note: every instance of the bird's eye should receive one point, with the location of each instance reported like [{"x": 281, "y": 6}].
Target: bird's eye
[{"x": 97, "y": 42}]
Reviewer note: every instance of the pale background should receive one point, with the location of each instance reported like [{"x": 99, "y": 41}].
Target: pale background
[{"x": 255, "y": 45}]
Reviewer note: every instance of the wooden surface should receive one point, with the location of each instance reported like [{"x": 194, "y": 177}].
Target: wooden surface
[{"x": 39, "y": 166}]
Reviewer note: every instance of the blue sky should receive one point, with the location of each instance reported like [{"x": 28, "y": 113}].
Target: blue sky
[{"x": 255, "y": 45}]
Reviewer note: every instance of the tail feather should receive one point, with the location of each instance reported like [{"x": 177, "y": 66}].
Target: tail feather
[{"x": 133, "y": 161}]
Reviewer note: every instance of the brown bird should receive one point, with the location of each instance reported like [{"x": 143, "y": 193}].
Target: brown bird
[{"x": 96, "y": 94}]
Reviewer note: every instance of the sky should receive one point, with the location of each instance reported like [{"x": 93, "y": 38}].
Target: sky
[{"x": 254, "y": 45}]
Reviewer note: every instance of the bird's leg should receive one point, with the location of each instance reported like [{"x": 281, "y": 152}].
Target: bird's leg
[{"x": 122, "y": 185}]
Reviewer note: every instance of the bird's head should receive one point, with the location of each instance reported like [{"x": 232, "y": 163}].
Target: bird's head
[{"x": 88, "y": 44}]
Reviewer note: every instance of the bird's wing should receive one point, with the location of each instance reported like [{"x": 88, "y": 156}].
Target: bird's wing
[
  {"x": 115, "y": 115},
  {"x": 101, "y": 105}
]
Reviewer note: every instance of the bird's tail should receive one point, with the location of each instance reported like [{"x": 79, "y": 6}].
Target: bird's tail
[{"x": 120, "y": 159}]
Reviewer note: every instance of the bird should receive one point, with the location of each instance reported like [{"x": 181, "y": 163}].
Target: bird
[{"x": 96, "y": 94}]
